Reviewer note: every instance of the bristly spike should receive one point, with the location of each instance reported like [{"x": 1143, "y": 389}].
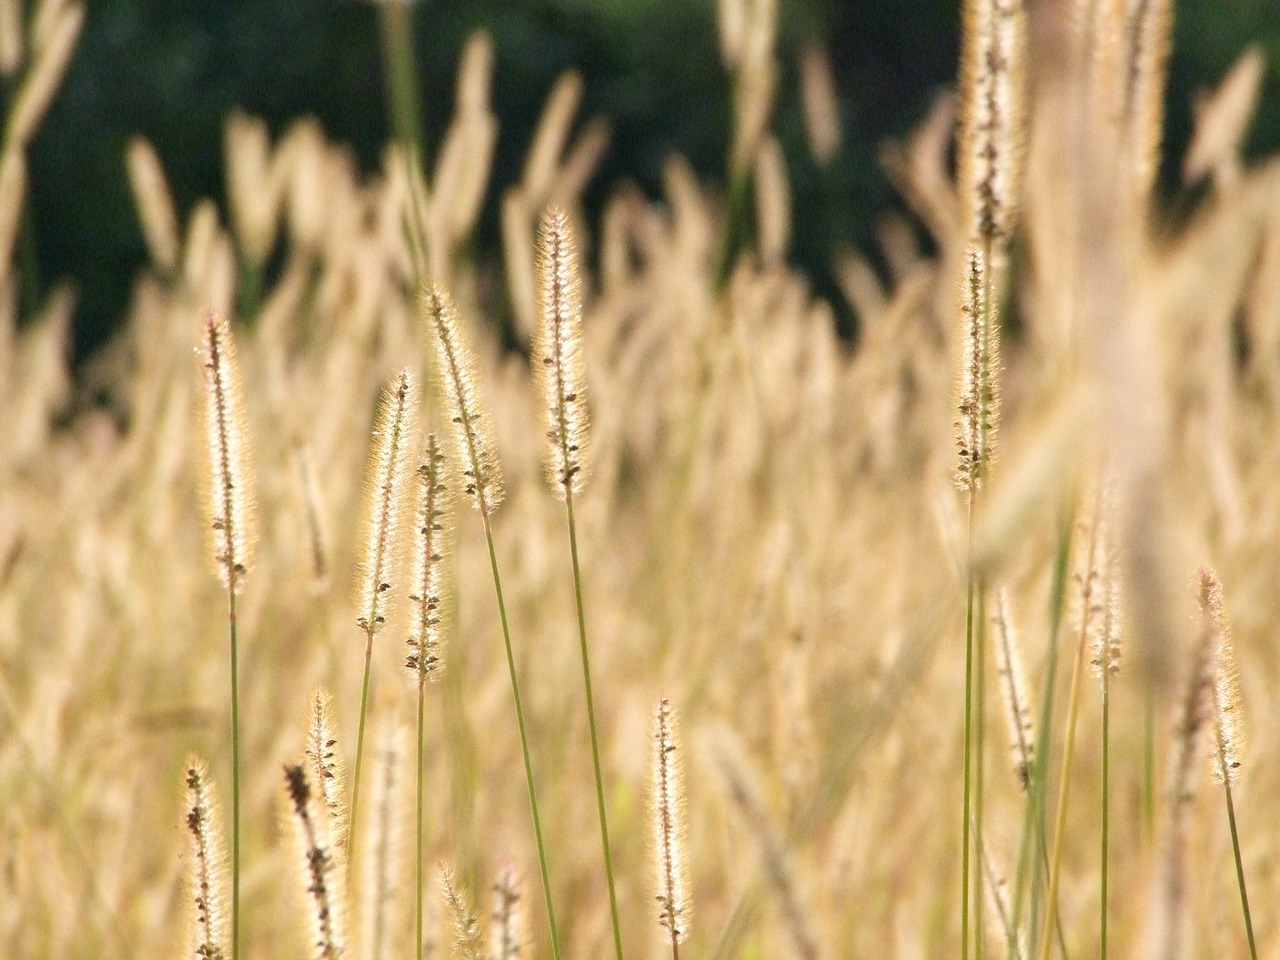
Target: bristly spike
[
  {"x": 557, "y": 353},
  {"x": 1229, "y": 740},
  {"x": 466, "y": 926},
  {"x": 992, "y": 77},
  {"x": 206, "y": 868},
  {"x": 386, "y": 478},
  {"x": 667, "y": 811},
  {"x": 477, "y": 462},
  {"x": 319, "y": 874},
  {"x": 1013, "y": 689},
  {"x": 228, "y": 495},
  {"x": 430, "y": 547},
  {"x": 382, "y": 866},
  {"x": 325, "y": 766},
  {"x": 978, "y": 406},
  {"x": 1099, "y": 597},
  {"x": 506, "y": 927}
]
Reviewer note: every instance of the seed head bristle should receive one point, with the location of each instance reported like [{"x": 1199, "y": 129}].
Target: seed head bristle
[
  {"x": 1013, "y": 689},
  {"x": 455, "y": 368},
  {"x": 557, "y": 353},
  {"x": 506, "y": 928},
  {"x": 992, "y": 68},
  {"x": 319, "y": 873},
  {"x": 325, "y": 766},
  {"x": 1150, "y": 37},
  {"x": 1099, "y": 597},
  {"x": 978, "y": 406},
  {"x": 386, "y": 478},
  {"x": 997, "y": 888},
  {"x": 667, "y": 811},
  {"x": 228, "y": 497},
  {"x": 431, "y": 533},
  {"x": 382, "y": 867},
  {"x": 1229, "y": 739},
  {"x": 206, "y": 868},
  {"x": 466, "y": 926}
]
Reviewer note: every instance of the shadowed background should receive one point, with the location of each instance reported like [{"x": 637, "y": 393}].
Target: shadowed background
[{"x": 171, "y": 70}]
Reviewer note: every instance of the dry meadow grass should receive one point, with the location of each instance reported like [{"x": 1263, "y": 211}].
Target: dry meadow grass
[{"x": 770, "y": 533}]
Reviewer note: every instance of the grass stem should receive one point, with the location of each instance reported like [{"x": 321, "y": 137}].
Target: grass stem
[
  {"x": 235, "y": 770},
  {"x": 968, "y": 739},
  {"x": 524, "y": 738},
  {"x": 1106, "y": 809},
  {"x": 417, "y": 846},
  {"x": 1235, "y": 849},
  {"x": 364, "y": 710},
  {"x": 595, "y": 739}
]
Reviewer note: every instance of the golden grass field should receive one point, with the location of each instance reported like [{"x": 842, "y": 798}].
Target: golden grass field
[{"x": 768, "y": 519}]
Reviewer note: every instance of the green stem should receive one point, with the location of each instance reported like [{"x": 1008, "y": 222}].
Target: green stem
[
  {"x": 417, "y": 901},
  {"x": 968, "y": 742},
  {"x": 1235, "y": 848},
  {"x": 595, "y": 739},
  {"x": 1106, "y": 800},
  {"x": 524, "y": 739},
  {"x": 980, "y": 648},
  {"x": 355, "y": 785},
  {"x": 235, "y": 771}
]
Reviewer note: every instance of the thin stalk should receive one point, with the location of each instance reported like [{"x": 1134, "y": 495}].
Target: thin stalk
[
  {"x": 968, "y": 739},
  {"x": 524, "y": 739},
  {"x": 364, "y": 711},
  {"x": 1064, "y": 793},
  {"x": 595, "y": 739},
  {"x": 1033, "y": 817},
  {"x": 1235, "y": 849},
  {"x": 979, "y": 744},
  {"x": 235, "y": 770},
  {"x": 1106, "y": 802},
  {"x": 417, "y": 902}
]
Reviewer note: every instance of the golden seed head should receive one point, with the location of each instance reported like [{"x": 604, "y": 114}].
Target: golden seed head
[
  {"x": 667, "y": 812},
  {"x": 1099, "y": 596},
  {"x": 978, "y": 406},
  {"x": 206, "y": 868},
  {"x": 431, "y": 538},
  {"x": 466, "y": 925},
  {"x": 1229, "y": 739},
  {"x": 227, "y": 495},
  {"x": 506, "y": 928},
  {"x": 1013, "y": 689},
  {"x": 325, "y": 766},
  {"x": 472, "y": 434},
  {"x": 992, "y": 77},
  {"x": 557, "y": 353},
  {"x": 385, "y": 489},
  {"x": 319, "y": 870}
]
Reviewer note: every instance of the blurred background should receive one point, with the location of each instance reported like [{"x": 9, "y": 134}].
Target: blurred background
[{"x": 171, "y": 70}]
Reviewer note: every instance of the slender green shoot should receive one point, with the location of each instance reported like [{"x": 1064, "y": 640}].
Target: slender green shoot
[
  {"x": 1106, "y": 809},
  {"x": 1235, "y": 849},
  {"x": 235, "y": 771},
  {"x": 418, "y": 837}
]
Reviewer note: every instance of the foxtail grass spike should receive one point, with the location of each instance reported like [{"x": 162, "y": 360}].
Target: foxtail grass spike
[
  {"x": 431, "y": 531},
  {"x": 997, "y": 890},
  {"x": 1150, "y": 36},
  {"x": 319, "y": 876},
  {"x": 1013, "y": 690},
  {"x": 557, "y": 354},
  {"x": 206, "y": 868},
  {"x": 228, "y": 495},
  {"x": 473, "y": 437},
  {"x": 992, "y": 77},
  {"x": 1228, "y": 752},
  {"x": 466, "y": 926},
  {"x": 325, "y": 767},
  {"x": 506, "y": 926},
  {"x": 978, "y": 406},
  {"x": 667, "y": 812},
  {"x": 387, "y": 474}
]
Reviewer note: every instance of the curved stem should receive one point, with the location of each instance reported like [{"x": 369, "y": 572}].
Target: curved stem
[
  {"x": 524, "y": 739},
  {"x": 355, "y": 786}
]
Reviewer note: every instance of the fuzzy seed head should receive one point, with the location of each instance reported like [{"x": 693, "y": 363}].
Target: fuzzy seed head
[
  {"x": 1013, "y": 690},
  {"x": 1099, "y": 592},
  {"x": 319, "y": 870},
  {"x": 978, "y": 406},
  {"x": 325, "y": 766},
  {"x": 385, "y": 490},
  {"x": 506, "y": 928},
  {"x": 431, "y": 532},
  {"x": 206, "y": 867},
  {"x": 1229, "y": 741},
  {"x": 992, "y": 76},
  {"x": 466, "y": 926},
  {"x": 227, "y": 495},
  {"x": 472, "y": 434},
  {"x": 557, "y": 353},
  {"x": 667, "y": 812}
]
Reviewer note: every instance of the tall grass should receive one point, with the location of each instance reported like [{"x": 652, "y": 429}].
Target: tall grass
[{"x": 771, "y": 537}]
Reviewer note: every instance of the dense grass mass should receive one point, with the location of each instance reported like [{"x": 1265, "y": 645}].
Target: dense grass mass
[{"x": 977, "y": 702}]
